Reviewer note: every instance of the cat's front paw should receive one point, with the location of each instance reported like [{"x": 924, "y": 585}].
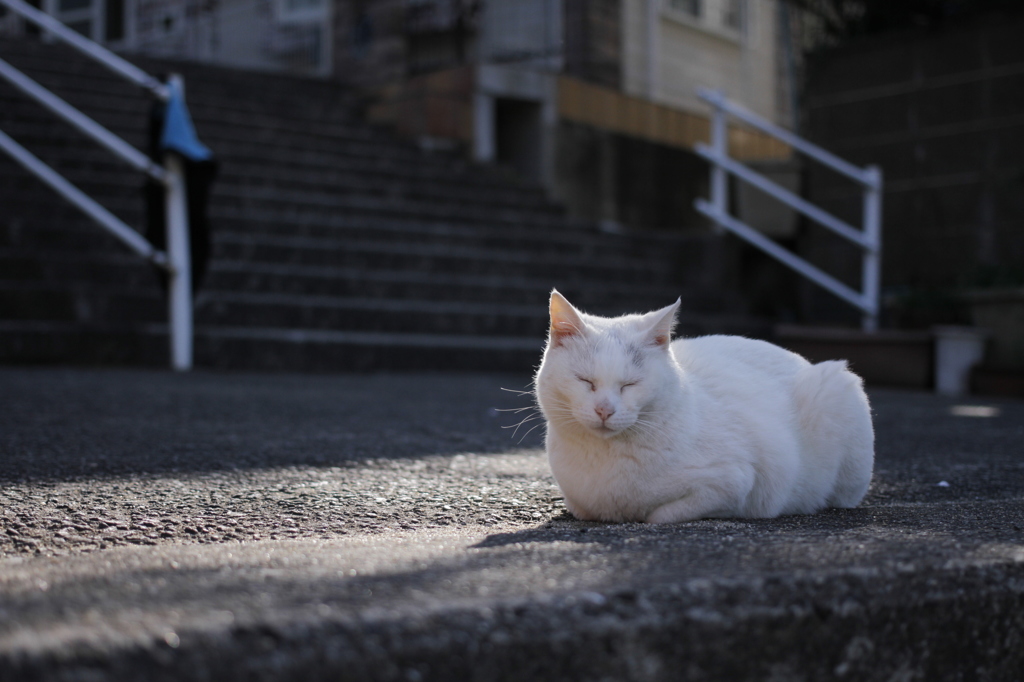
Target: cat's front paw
[
  {"x": 581, "y": 513},
  {"x": 674, "y": 512}
]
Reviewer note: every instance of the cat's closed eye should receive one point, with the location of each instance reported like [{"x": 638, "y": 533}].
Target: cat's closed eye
[
  {"x": 588, "y": 382},
  {"x": 627, "y": 385}
]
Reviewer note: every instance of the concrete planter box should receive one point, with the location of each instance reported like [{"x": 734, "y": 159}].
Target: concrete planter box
[
  {"x": 884, "y": 358},
  {"x": 1002, "y": 312},
  {"x": 947, "y": 358},
  {"x": 957, "y": 351}
]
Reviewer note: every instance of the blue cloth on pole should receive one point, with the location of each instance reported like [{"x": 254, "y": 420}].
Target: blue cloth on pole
[{"x": 179, "y": 135}]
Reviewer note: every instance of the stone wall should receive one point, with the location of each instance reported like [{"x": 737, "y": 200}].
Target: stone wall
[{"x": 942, "y": 113}]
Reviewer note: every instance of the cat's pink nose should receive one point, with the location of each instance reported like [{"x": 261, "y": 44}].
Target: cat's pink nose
[{"x": 604, "y": 411}]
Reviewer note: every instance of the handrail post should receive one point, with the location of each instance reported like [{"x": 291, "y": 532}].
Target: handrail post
[
  {"x": 720, "y": 148},
  {"x": 871, "y": 268},
  {"x": 179, "y": 257}
]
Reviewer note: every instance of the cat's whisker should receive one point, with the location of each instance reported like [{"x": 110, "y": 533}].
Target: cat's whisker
[
  {"x": 648, "y": 432},
  {"x": 527, "y": 433},
  {"x": 529, "y": 419},
  {"x": 647, "y": 428},
  {"x": 532, "y": 416},
  {"x": 515, "y": 409},
  {"x": 526, "y": 420},
  {"x": 517, "y": 391}
]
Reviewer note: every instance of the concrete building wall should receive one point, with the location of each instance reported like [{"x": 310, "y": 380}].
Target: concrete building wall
[
  {"x": 584, "y": 124},
  {"x": 593, "y": 41},
  {"x": 668, "y": 52}
]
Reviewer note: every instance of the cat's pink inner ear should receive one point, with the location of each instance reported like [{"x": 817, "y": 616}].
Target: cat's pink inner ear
[
  {"x": 565, "y": 321},
  {"x": 660, "y": 333}
]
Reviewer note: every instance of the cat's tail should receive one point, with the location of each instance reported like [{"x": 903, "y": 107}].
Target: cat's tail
[{"x": 836, "y": 430}]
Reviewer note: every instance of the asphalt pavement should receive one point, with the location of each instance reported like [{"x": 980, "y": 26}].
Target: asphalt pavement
[{"x": 390, "y": 527}]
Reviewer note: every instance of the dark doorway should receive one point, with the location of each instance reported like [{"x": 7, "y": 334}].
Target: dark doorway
[{"x": 518, "y": 134}]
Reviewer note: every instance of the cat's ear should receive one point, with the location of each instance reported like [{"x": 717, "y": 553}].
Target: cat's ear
[
  {"x": 659, "y": 333},
  {"x": 565, "y": 320}
]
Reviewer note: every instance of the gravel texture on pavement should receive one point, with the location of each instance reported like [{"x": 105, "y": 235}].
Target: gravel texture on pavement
[{"x": 238, "y": 526}]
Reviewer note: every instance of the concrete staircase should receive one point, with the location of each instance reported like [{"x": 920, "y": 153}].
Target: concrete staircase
[{"x": 335, "y": 245}]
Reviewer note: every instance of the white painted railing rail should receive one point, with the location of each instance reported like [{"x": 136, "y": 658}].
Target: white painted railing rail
[
  {"x": 867, "y": 237},
  {"x": 120, "y": 66},
  {"x": 176, "y": 260}
]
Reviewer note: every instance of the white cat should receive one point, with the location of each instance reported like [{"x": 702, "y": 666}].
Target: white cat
[{"x": 642, "y": 428}]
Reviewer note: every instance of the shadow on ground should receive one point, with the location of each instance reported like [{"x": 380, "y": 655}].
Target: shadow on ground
[{"x": 72, "y": 424}]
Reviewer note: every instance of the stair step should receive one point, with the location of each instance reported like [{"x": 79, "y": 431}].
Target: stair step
[
  {"x": 287, "y": 349},
  {"x": 265, "y": 349},
  {"x": 53, "y": 342},
  {"x": 402, "y": 285},
  {"x": 282, "y": 311},
  {"x": 335, "y": 245},
  {"x": 254, "y": 167},
  {"x": 52, "y": 300},
  {"x": 239, "y": 133},
  {"x": 54, "y": 222},
  {"x": 259, "y": 92},
  {"x": 442, "y": 256},
  {"x": 419, "y": 245}
]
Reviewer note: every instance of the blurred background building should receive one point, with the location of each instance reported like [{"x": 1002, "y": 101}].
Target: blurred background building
[
  {"x": 591, "y": 105},
  {"x": 597, "y": 100},
  {"x": 594, "y": 98}
]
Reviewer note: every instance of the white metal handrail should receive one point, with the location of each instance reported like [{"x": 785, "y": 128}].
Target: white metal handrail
[
  {"x": 87, "y": 204},
  {"x": 112, "y": 142},
  {"x": 120, "y": 66},
  {"x": 868, "y": 238},
  {"x": 177, "y": 259}
]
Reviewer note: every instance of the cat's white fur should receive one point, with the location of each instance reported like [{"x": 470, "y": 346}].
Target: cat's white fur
[{"x": 642, "y": 428}]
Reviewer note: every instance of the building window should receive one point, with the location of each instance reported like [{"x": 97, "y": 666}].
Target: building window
[
  {"x": 726, "y": 19},
  {"x": 694, "y": 8}
]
